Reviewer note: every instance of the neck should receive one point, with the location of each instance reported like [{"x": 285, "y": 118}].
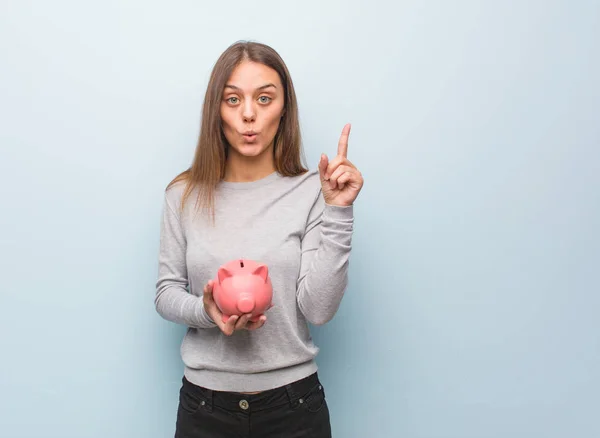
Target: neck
[{"x": 240, "y": 168}]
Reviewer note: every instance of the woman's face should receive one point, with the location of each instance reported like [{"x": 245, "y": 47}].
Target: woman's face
[{"x": 251, "y": 109}]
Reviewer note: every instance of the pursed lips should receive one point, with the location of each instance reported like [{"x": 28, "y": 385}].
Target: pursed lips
[{"x": 250, "y": 135}]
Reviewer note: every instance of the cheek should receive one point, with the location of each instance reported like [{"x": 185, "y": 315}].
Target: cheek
[
  {"x": 226, "y": 120},
  {"x": 273, "y": 118}
]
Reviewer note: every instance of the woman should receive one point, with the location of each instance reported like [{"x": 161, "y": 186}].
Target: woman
[{"x": 248, "y": 196}]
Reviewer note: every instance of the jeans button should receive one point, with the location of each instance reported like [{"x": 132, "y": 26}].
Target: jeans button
[{"x": 244, "y": 404}]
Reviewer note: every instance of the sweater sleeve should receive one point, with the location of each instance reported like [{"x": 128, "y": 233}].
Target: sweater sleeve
[
  {"x": 173, "y": 301},
  {"x": 326, "y": 246}
]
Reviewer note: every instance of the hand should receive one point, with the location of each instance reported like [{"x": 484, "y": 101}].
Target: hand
[
  {"x": 235, "y": 322},
  {"x": 340, "y": 179}
]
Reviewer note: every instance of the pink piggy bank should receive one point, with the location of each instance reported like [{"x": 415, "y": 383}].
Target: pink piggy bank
[{"x": 243, "y": 286}]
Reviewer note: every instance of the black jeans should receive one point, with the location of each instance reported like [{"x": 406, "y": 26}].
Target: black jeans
[{"x": 292, "y": 411}]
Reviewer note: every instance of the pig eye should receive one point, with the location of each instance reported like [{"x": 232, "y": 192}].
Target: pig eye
[{"x": 241, "y": 263}]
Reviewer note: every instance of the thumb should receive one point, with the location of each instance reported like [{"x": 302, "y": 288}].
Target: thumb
[{"x": 323, "y": 163}]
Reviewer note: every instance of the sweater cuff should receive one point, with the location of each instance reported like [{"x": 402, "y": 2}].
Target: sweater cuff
[
  {"x": 337, "y": 212},
  {"x": 205, "y": 320}
]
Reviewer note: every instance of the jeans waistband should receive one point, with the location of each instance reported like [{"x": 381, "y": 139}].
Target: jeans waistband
[{"x": 236, "y": 401}]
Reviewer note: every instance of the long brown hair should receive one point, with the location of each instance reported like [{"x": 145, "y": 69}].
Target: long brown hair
[{"x": 208, "y": 166}]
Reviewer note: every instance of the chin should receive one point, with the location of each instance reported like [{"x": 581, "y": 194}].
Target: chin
[{"x": 250, "y": 150}]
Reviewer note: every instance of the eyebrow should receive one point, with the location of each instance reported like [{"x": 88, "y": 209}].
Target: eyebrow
[{"x": 259, "y": 88}]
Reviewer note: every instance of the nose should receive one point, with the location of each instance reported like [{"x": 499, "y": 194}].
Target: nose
[{"x": 248, "y": 111}]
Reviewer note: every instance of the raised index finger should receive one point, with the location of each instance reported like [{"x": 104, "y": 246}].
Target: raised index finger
[{"x": 343, "y": 143}]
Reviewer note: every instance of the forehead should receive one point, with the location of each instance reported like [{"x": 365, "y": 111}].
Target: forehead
[{"x": 250, "y": 75}]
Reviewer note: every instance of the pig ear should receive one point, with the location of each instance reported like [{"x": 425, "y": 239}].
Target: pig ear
[
  {"x": 222, "y": 274},
  {"x": 262, "y": 271}
]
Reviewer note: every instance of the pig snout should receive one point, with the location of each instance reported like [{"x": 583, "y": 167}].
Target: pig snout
[{"x": 246, "y": 304}]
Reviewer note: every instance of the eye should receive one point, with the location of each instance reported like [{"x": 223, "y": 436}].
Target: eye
[
  {"x": 233, "y": 100},
  {"x": 264, "y": 99}
]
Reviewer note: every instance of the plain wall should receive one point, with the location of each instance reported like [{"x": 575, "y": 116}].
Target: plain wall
[{"x": 472, "y": 309}]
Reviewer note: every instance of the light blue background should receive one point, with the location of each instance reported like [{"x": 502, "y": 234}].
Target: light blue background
[{"x": 474, "y": 297}]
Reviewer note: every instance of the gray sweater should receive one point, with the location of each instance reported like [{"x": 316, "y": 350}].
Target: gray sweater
[{"x": 282, "y": 222}]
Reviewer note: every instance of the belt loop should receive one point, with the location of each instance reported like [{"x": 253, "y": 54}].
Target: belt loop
[
  {"x": 209, "y": 399},
  {"x": 289, "y": 388}
]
